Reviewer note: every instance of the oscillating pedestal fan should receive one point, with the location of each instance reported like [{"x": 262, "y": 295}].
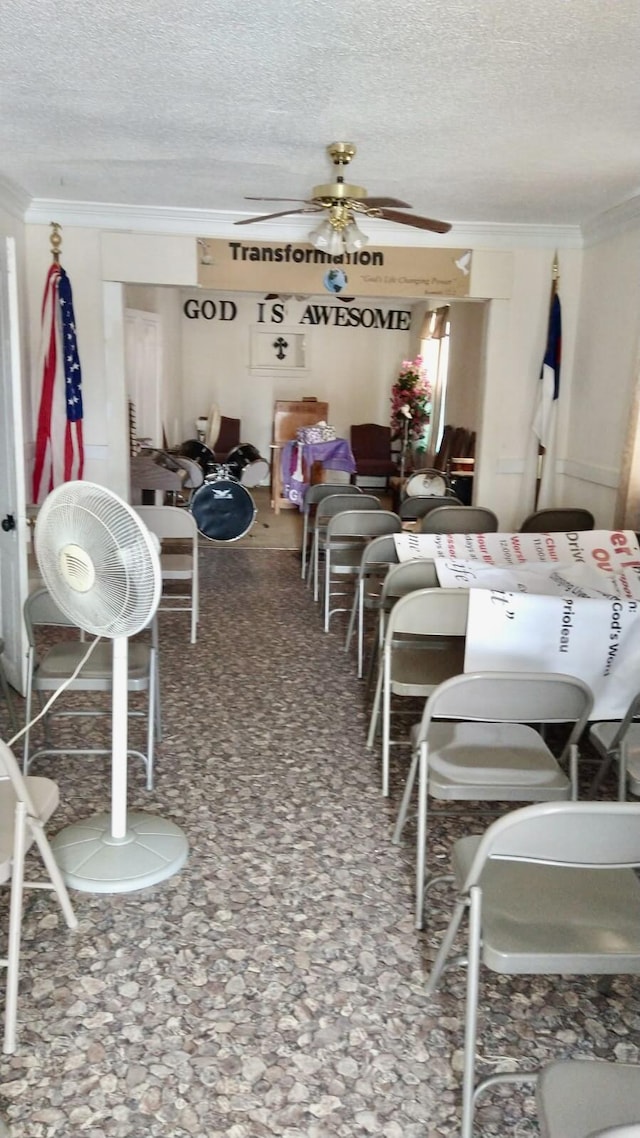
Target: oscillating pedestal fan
[{"x": 102, "y": 568}]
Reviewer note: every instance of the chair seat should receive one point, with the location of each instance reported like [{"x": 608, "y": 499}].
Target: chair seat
[
  {"x": 501, "y": 760},
  {"x": 60, "y": 661},
  {"x": 416, "y": 670},
  {"x": 580, "y": 1096},
  {"x": 522, "y": 933}
]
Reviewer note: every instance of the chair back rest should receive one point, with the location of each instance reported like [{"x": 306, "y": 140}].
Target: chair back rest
[
  {"x": 363, "y": 523},
  {"x": 592, "y": 835},
  {"x": 511, "y": 697},
  {"x": 418, "y": 506},
  {"x": 429, "y": 612},
  {"x": 459, "y": 519},
  {"x": 406, "y": 577},
  {"x": 10, "y": 770},
  {"x": 168, "y": 521},
  {"x": 370, "y": 440},
  {"x": 564, "y": 520},
  {"x": 379, "y": 551},
  {"x": 336, "y": 503},
  {"x": 41, "y": 609},
  {"x": 321, "y": 490}
]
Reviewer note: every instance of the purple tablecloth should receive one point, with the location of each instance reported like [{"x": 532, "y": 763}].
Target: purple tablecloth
[{"x": 298, "y": 459}]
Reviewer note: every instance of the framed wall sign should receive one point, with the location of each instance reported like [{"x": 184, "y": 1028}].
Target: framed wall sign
[{"x": 278, "y": 348}]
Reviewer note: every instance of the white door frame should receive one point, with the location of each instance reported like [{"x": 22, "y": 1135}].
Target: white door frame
[{"x": 14, "y": 543}]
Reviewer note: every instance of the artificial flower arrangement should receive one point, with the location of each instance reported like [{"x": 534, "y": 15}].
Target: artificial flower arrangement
[{"x": 410, "y": 401}]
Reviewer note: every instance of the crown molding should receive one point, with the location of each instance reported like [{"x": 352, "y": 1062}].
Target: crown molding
[
  {"x": 220, "y": 223},
  {"x": 13, "y": 199},
  {"x": 624, "y": 216}
]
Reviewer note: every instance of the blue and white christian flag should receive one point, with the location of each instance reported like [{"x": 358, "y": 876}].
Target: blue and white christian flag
[{"x": 544, "y": 421}]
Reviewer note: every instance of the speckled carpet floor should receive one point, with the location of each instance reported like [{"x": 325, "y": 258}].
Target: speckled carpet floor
[{"x": 274, "y": 987}]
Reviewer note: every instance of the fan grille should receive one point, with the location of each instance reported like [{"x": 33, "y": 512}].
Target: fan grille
[{"x": 97, "y": 559}]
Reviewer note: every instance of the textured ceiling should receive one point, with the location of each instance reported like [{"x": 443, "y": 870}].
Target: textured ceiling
[{"x": 518, "y": 111}]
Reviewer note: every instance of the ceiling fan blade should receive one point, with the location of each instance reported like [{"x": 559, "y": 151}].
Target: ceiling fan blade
[
  {"x": 303, "y": 201},
  {"x": 382, "y": 203},
  {"x": 417, "y": 222},
  {"x": 282, "y": 213}
]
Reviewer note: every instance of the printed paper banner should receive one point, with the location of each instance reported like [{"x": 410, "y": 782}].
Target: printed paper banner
[
  {"x": 612, "y": 551},
  {"x": 546, "y": 578},
  {"x": 596, "y": 640}
]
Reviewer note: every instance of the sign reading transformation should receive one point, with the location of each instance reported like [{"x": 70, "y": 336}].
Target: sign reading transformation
[{"x": 263, "y": 266}]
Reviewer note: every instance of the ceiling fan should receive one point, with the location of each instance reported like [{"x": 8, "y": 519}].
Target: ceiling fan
[{"x": 342, "y": 200}]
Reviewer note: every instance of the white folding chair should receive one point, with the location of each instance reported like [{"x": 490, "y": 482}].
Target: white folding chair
[
  {"x": 475, "y": 743},
  {"x": 170, "y": 523},
  {"x": 26, "y": 804},
  {"x": 423, "y": 645},
  {"x": 347, "y": 534},
  {"x": 326, "y": 509},
  {"x": 549, "y": 889},
  {"x": 619, "y": 742},
  {"x": 313, "y": 495},
  {"x": 377, "y": 555},
  {"x": 50, "y": 669},
  {"x": 589, "y": 1098}
]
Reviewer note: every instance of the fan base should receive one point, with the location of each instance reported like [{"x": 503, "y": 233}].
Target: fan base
[{"x": 91, "y": 860}]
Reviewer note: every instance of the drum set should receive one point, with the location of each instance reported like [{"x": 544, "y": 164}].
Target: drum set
[{"x": 221, "y": 504}]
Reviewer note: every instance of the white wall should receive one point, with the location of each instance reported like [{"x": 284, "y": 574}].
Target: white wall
[
  {"x": 352, "y": 369},
  {"x": 605, "y": 372},
  {"x": 600, "y": 303},
  {"x": 466, "y": 364}
]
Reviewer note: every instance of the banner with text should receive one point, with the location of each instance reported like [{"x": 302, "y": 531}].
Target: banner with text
[
  {"x": 610, "y": 551},
  {"x": 596, "y": 640},
  {"x": 296, "y": 267}
]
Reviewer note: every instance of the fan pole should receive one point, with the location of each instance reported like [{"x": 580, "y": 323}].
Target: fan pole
[{"x": 119, "y": 742}]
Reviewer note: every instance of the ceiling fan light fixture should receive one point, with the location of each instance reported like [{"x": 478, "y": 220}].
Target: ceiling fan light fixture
[
  {"x": 354, "y": 238},
  {"x": 327, "y": 238}
]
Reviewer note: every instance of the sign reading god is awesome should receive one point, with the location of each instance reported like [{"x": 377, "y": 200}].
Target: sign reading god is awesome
[{"x": 272, "y": 266}]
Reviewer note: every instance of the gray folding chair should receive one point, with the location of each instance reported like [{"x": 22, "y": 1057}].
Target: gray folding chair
[
  {"x": 170, "y": 523},
  {"x": 26, "y": 804},
  {"x": 326, "y": 508},
  {"x": 588, "y": 1098},
  {"x": 423, "y": 645},
  {"x": 459, "y": 519},
  {"x": 314, "y": 494},
  {"x": 475, "y": 743},
  {"x": 377, "y": 556},
  {"x": 549, "y": 890},
  {"x": 558, "y": 520},
  {"x": 50, "y": 670},
  {"x": 400, "y": 579},
  {"x": 347, "y": 533},
  {"x": 619, "y": 742},
  {"x": 419, "y": 506}
]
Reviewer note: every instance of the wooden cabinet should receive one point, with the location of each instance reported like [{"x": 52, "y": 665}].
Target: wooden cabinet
[{"x": 288, "y": 417}]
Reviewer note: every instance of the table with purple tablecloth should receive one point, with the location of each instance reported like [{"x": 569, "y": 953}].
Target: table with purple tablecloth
[{"x": 297, "y": 463}]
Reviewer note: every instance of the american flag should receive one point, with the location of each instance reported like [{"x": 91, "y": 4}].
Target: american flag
[{"x": 59, "y": 453}]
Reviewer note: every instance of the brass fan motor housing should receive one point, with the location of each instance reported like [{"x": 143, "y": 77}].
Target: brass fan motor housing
[{"x": 340, "y": 154}]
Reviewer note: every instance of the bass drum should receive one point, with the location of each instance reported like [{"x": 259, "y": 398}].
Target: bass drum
[
  {"x": 247, "y": 465},
  {"x": 425, "y": 484},
  {"x": 223, "y": 509}
]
